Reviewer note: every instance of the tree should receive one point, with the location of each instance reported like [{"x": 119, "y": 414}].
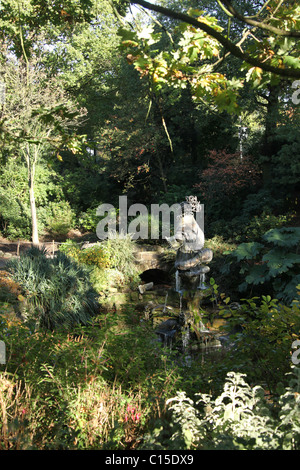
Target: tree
[
  {"x": 279, "y": 20},
  {"x": 38, "y": 116},
  {"x": 220, "y": 52},
  {"x": 265, "y": 51}
]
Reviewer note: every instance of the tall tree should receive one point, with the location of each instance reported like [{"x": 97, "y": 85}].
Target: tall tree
[{"x": 38, "y": 115}]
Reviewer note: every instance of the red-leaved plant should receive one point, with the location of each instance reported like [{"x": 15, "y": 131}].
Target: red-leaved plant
[{"x": 226, "y": 175}]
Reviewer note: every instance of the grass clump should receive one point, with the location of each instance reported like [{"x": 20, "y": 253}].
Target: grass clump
[{"x": 57, "y": 290}]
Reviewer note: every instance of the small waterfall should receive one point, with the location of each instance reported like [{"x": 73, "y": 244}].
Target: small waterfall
[
  {"x": 167, "y": 338},
  {"x": 202, "y": 285},
  {"x": 165, "y": 304},
  {"x": 177, "y": 281},
  {"x": 180, "y": 303},
  {"x": 185, "y": 337}
]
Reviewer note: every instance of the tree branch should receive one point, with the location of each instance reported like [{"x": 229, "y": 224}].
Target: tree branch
[
  {"x": 259, "y": 24},
  {"x": 231, "y": 47}
]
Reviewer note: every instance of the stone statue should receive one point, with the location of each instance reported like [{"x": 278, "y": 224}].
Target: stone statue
[{"x": 190, "y": 272}]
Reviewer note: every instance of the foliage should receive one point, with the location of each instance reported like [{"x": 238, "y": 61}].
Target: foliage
[
  {"x": 60, "y": 219},
  {"x": 95, "y": 256},
  {"x": 288, "y": 143},
  {"x": 90, "y": 256},
  {"x": 10, "y": 291},
  {"x": 200, "y": 29},
  {"x": 88, "y": 220},
  {"x": 241, "y": 418},
  {"x": 176, "y": 67},
  {"x": 107, "y": 280},
  {"x": 14, "y": 198},
  {"x": 262, "y": 331},
  {"x": 273, "y": 260},
  {"x": 120, "y": 248},
  {"x": 38, "y": 115},
  {"x": 225, "y": 181},
  {"x": 259, "y": 225},
  {"x": 116, "y": 252},
  {"x": 226, "y": 166},
  {"x": 109, "y": 385},
  {"x": 111, "y": 263},
  {"x": 83, "y": 384},
  {"x": 243, "y": 228},
  {"x": 70, "y": 248},
  {"x": 57, "y": 290},
  {"x": 16, "y": 399}
]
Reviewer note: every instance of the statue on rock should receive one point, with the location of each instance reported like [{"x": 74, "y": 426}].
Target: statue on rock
[{"x": 192, "y": 257}]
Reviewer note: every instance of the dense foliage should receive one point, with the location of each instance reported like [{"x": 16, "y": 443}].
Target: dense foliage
[
  {"x": 155, "y": 101},
  {"x": 58, "y": 291}
]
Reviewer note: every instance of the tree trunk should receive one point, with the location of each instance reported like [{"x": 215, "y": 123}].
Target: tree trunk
[
  {"x": 35, "y": 234},
  {"x": 162, "y": 173}
]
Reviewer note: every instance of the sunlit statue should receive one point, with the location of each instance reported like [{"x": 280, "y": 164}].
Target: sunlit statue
[{"x": 191, "y": 254}]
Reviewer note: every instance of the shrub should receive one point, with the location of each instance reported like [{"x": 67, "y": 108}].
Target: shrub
[
  {"x": 225, "y": 181},
  {"x": 93, "y": 387},
  {"x": 121, "y": 252},
  {"x": 70, "y": 248},
  {"x": 260, "y": 224},
  {"x": 111, "y": 262},
  {"x": 95, "y": 256},
  {"x": 241, "y": 418},
  {"x": 262, "y": 331},
  {"x": 274, "y": 261},
  {"x": 61, "y": 218},
  {"x": 104, "y": 280},
  {"x": 14, "y": 405},
  {"x": 14, "y": 217},
  {"x": 58, "y": 291},
  {"x": 88, "y": 220}
]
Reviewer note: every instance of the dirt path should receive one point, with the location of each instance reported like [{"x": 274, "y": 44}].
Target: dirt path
[{"x": 10, "y": 249}]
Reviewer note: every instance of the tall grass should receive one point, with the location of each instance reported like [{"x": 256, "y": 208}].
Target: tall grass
[{"x": 58, "y": 290}]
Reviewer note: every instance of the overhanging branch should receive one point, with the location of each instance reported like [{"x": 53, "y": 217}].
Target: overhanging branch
[
  {"x": 231, "y": 47},
  {"x": 259, "y": 24}
]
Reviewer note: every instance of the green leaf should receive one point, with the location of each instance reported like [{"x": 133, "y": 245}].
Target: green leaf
[
  {"x": 285, "y": 236},
  {"x": 291, "y": 61},
  {"x": 247, "y": 250},
  {"x": 279, "y": 261},
  {"x": 258, "y": 274}
]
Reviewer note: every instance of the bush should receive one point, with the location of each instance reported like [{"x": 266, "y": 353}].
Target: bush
[
  {"x": 262, "y": 331},
  {"x": 88, "y": 220},
  {"x": 93, "y": 387},
  {"x": 70, "y": 248},
  {"x": 120, "y": 250},
  {"x": 116, "y": 252},
  {"x": 225, "y": 182},
  {"x": 15, "y": 217},
  {"x": 61, "y": 218},
  {"x": 95, "y": 256},
  {"x": 240, "y": 418},
  {"x": 271, "y": 262},
  {"x": 58, "y": 291},
  {"x": 111, "y": 262}
]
